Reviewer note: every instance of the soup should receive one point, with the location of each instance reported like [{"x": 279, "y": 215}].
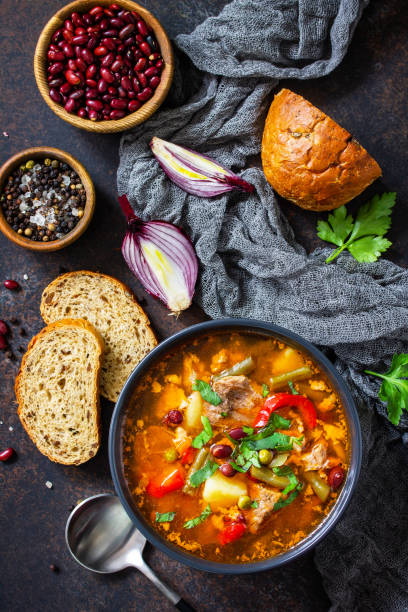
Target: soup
[{"x": 235, "y": 447}]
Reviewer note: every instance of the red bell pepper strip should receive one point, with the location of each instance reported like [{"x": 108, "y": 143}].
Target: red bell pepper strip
[
  {"x": 279, "y": 400},
  {"x": 188, "y": 455},
  {"x": 172, "y": 482},
  {"x": 231, "y": 532}
]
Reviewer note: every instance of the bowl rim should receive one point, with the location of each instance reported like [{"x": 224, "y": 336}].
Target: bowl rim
[
  {"x": 112, "y": 125},
  {"x": 305, "y": 545},
  {"x": 38, "y": 153}
]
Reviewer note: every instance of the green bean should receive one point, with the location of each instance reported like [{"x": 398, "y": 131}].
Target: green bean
[
  {"x": 198, "y": 463},
  {"x": 266, "y": 475},
  {"x": 238, "y": 369},
  {"x": 319, "y": 486},
  {"x": 282, "y": 379}
]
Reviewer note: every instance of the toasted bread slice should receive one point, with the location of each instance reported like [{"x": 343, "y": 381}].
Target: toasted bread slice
[
  {"x": 57, "y": 391},
  {"x": 112, "y": 308}
]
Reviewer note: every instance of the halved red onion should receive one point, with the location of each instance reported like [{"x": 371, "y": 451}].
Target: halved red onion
[
  {"x": 162, "y": 257},
  {"x": 195, "y": 173}
]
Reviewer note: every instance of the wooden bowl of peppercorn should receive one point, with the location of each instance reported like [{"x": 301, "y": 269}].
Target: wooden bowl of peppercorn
[
  {"x": 47, "y": 199},
  {"x": 140, "y": 105}
]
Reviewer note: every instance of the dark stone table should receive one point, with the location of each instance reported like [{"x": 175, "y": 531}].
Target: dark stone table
[{"x": 367, "y": 95}]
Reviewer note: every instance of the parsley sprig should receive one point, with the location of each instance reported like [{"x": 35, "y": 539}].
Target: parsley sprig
[
  {"x": 394, "y": 389},
  {"x": 364, "y": 237},
  {"x": 198, "y": 519}
]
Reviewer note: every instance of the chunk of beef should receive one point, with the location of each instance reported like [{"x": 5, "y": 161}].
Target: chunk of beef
[
  {"x": 238, "y": 400},
  {"x": 316, "y": 458},
  {"x": 266, "y": 499}
]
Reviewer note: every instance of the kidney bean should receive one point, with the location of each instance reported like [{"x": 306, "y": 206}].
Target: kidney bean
[
  {"x": 139, "y": 38},
  {"x": 109, "y": 43},
  {"x": 119, "y": 103},
  {"x": 237, "y": 433},
  {"x": 135, "y": 84},
  {"x": 221, "y": 451},
  {"x": 134, "y": 105},
  {"x": 6, "y": 454},
  {"x": 129, "y": 42},
  {"x": 110, "y": 33},
  {"x": 91, "y": 92},
  {"x": 68, "y": 36},
  {"x": 128, "y": 18},
  {"x": 72, "y": 65},
  {"x": 114, "y": 7},
  {"x": 95, "y": 10},
  {"x": 117, "y": 114},
  {"x": 154, "y": 82},
  {"x": 142, "y": 79},
  {"x": 107, "y": 75},
  {"x": 67, "y": 50},
  {"x": 103, "y": 24},
  {"x": 124, "y": 32},
  {"x": 75, "y": 95},
  {"x": 68, "y": 25},
  {"x": 108, "y": 12},
  {"x": 131, "y": 94},
  {"x": 56, "y": 37},
  {"x": 91, "y": 71},
  {"x": 106, "y": 98},
  {"x": 137, "y": 54},
  {"x": 159, "y": 64},
  {"x": 77, "y": 20},
  {"x": 145, "y": 94},
  {"x": 91, "y": 83},
  {"x": 173, "y": 417},
  {"x": 122, "y": 93},
  {"x": 149, "y": 72},
  {"x": 100, "y": 51},
  {"x": 108, "y": 60},
  {"x": 117, "y": 22},
  {"x": 95, "y": 104},
  {"x": 56, "y": 56},
  {"x": 70, "y": 105},
  {"x": 126, "y": 83},
  {"x": 120, "y": 48},
  {"x": 65, "y": 89},
  {"x": 78, "y": 50},
  {"x": 112, "y": 90},
  {"x": 56, "y": 68},
  {"x": 154, "y": 56},
  {"x": 87, "y": 19},
  {"x": 92, "y": 42},
  {"x": 72, "y": 77},
  {"x": 227, "y": 470},
  {"x": 151, "y": 41},
  {"x": 117, "y": 65},
  {"x": 87, "y": 56},
  {"x": 141, "y": 26},
  {"x": 102, "y": 85},
  {"x": 335, "y": 477},
  {"x": 81, "y": 65},
  {"x": 145, "y": 48},
  {"x": 79, "y": 31},
  {"x": 140, "y": 64},
  {"x": 82, "y": 113},
  {"x": 56, "y": 82},
  {"x": 80, "y": 40}
]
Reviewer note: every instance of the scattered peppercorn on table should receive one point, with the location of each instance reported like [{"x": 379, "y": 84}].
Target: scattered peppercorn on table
[{"x": 36, "y": 495}]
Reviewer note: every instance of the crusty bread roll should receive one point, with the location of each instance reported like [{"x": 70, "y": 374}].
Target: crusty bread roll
[
  {"x": 57, "y": 390},
  {"x": 311, "y": 160},
  {"x": 112, "y": 308}
]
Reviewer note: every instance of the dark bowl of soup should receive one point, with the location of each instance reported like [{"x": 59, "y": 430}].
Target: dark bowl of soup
[{"x": 235, "y": 446}]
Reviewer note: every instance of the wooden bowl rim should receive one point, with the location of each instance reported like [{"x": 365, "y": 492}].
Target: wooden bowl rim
[
  {"x": 40, "y": 152},
  {"x": 131, "y": 120}
]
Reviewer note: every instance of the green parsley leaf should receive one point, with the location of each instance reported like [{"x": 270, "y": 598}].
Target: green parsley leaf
[
  {"x": 363, "y": 237},
  {"x": 282, "y": 502},
  {"x": 205, "y": 436},
  {"x": 286, "y": 471},
  {"x": 201, "y": 475},
  {"x": 238, "y": 468},
  {"x": 254, "y": 504},
  {"x": 394, "y": 389},
  {"x": 198, "y": 519},
  {"x": 278, "y": 422},
  {"x": 224, "y": 414},
  {"x": 248, "y": 430},
  {"x": 292, "y": 388},
  {"x": 206, "y": 392},
  {"x": 265, "y": 390},
  {"x": 249, "y": 454},
  {"x": 276, "y": 440},
  {"x": 165, "y": 517}
]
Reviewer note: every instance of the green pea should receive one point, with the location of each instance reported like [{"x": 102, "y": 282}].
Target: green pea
[
  {"x": 265, "y": 456},
  {"x": 170, "y": 455},
  {"x": 244, "y": 502},
  {"x": 30, "y": 164}
]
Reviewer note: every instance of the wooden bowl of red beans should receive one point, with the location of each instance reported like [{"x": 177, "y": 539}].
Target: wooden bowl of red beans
[{"x": 103, "y": 66}]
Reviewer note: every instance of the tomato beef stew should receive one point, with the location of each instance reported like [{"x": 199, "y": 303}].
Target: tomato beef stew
[{"x": 235, "y": 447}]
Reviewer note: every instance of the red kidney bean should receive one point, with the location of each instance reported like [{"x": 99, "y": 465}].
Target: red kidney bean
[
  {"x": 75, "y": 95},
  {"x": 56, "y": 37},
  {"x": 91, "y": 93},
  {"x": 68, "y": 36},
  {"x": 100, "y": 51},
  {"x": 92, "y": 42},
  {"x": 55, "y": 96},
  {"x": 87, "y": 19},
  {"x": 87, "y": 56},
  {"x": 114, "y": 7},
  {"x": 81, "y": 65},
  {"x": 6, "y": 454},
  {"x": 117, "y": 65},
  {"x": 137, "y": 54},
  {"x": 128, "y": 18},
  {"x": 112, "y": 90},
  {"x": 77, "y": 20},
  {"x": 107, "y": 75},
  {"x": 72, "y": 77},
  {"x": 134, "y": 105},
  {"x": 95, "y": 104},
  {"x": 3, "y": 328},
  {"x": 142, "y": 79},
  {"x": 106, "y": 98},
  {"x": 120, "y": 48},
  {"x": 91, "y": 83},
  {"x": 56, "y": 68},
  {"x": 56, "y": 82},
  {"x": 65, "y": 88},
  {"x": 68, "y": 50},
  {"x": 154, "y": 82},
  {"x": 131, "y": 94},
  {"x": 237, "y": 433},
  {"x": 141, "y": 26},
  {"x": 119, "y": 103},
  {"x": 110, "y": 33},
  {"x": 80, "y": 40},
  {"x": 82, "y": 113},
  {"x": 108, "y": 12},
  {"x": 145, "y": 48},
  {"x": 227, "y": 470},
  {"x": 154, "y": 56},
  {"x": 56, "y": 56},
  {"x": 95, "y": 10},
  {"x": 173, "y": 417},
  {"x": 68, "y": 25},
  {"x": 139, "y": 38},
  {"x": 129, "y": 42},
  {"x": 140, "y": 64},
  {"x": 159, "y": 64},
  {"x": 108, "y": 60},
  {"x": 335, "y": 477},
  {"x": 135, "y": 85},
  {"x": 102, "y": 85},
  {"x": 72, "y": 65},
  {"x": 126, "y": 83},
  {"x": 117, "y": 22},
  {"x": 103, "y": 24},
  {"x": 80, "y": 31},
  {"x": 109, "y": 43},
  {"x": 145, "y": 94},
  {"x": 70, "y": 105},
  {"x": 11, "y": 284},
  {"x": 124, "y": 32},
  {"x": 91, "y": 71},
  {"x": 117, "y": 114},
  {"x": 122, "y": 92},
  {"x": 149, "y": 72},
  {"x": 221, "y": 451},
  {"x": 78, "y": 50}
]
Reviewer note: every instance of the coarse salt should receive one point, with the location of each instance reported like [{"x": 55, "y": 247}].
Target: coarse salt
[
  {"x": 48, "y": 484},
  {"x": 25, "y": 276},
  {"x": 11, "y": 428}
]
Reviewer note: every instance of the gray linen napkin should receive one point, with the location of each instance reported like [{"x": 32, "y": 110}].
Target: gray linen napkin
[{"x": 252, "y": 266}]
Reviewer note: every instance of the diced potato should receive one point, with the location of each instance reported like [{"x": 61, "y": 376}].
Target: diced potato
[
  {"x": 222, "y": 491},
  {"x": 287, "y": 360},
  {"x": 193, "y": 412}
]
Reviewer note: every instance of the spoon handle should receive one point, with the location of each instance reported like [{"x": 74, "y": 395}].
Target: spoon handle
[{"x": 175, "y": 599}]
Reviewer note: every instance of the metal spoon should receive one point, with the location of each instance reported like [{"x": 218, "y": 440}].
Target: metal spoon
[{"x": 102, "y": 538}]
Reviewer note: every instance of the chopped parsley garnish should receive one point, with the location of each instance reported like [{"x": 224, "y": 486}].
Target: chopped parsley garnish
[
  {"x": 265, "y": 390},
  {"x": 165, "y": 517},
  {"x": 282, "y": 502},
  {"x": 286, "y": 471},
  {"x": 394, "y": 389},
  {"x": 205, "y": 436},
  {"x": 254, "y": 504},
  {"x": 277, "y": 440},
  {"x": 198, "y": 519},
  {"x": 364, "y": 237},
  {"x": 205, "y": 472},
  {"x": 206, "y": 392},
  {"x": 278, "y": 422},
  {"x": 292, "y": 388},
  {"x": 248, "y": 430},
  {"x": 224, "y": 414}
]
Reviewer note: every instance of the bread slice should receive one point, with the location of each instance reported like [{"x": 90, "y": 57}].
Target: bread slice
[
  {"x": 310, "y": 159},
  {"x": 58, "y": 393},
  {"x": 112, "y": 308}
]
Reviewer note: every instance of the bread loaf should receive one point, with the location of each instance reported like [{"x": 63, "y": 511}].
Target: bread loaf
[
  {"x": 57, "y": 390},
  {"x": 311, "y": 160},
  {"x": 112, "y": 308}
]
